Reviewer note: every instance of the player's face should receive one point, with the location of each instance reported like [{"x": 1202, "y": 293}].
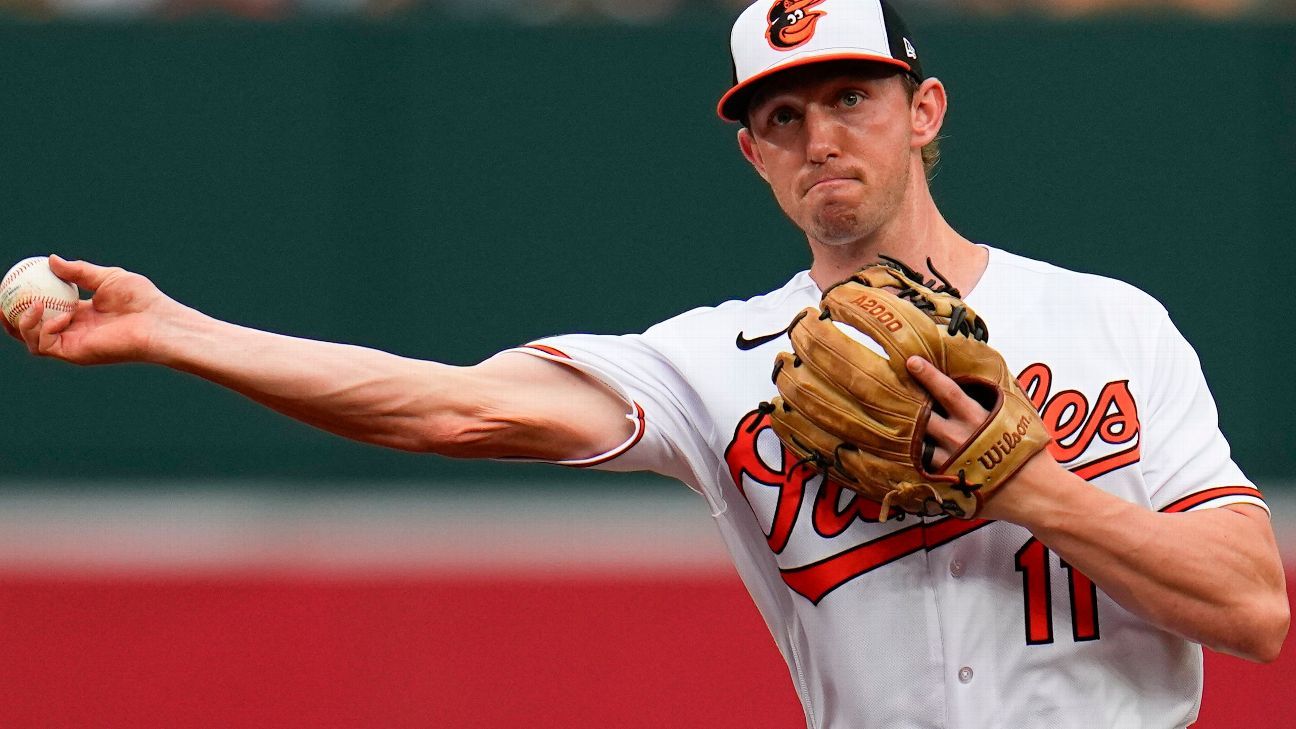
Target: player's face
[{"x": 837, "y": 147}]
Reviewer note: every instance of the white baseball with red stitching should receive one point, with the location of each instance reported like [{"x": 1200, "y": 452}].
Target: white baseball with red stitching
[{"x": 30, "y": 281}]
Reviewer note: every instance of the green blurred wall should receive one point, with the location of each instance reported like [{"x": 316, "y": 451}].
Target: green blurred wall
[{"x": 445, "y": 191}]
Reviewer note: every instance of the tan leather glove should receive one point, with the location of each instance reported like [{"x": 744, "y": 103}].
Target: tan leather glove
[{"x": 862, "y": 419}]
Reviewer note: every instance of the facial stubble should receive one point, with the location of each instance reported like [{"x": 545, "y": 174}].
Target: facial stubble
[{"x": 843, "y": 223}]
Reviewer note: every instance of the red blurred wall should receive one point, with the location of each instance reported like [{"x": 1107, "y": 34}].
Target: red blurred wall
[{"x": 240, "y": 651}]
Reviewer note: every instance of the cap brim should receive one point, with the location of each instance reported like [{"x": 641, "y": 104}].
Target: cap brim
[{"x": 733, "y": 105}]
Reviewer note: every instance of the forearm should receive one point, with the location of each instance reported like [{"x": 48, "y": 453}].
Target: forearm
[
  {"x": 358, "y": 393},
  {"x": 1211, "y": 576},
  {"x": 512, "y": 405}
]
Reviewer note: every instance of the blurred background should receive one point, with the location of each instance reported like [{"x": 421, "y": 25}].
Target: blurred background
[
  {"x": 628, "y": 12},
  {"x": 447, "y": 179}
]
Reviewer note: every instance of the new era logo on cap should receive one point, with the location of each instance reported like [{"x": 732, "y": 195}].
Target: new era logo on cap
[{"x": 775, "y": 35}]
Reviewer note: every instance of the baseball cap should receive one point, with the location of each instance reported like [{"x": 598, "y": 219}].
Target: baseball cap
[{"x": 775, "y": 35}]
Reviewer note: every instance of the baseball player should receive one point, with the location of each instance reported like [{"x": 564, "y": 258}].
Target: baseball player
[{"x": 1081, "y": 595}]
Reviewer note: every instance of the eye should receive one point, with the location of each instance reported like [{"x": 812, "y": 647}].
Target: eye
[
  {"x": 852, "y": 98},
  {"x": 781, "y": 117}
]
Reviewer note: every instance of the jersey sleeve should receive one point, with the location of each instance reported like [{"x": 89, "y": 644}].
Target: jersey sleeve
[
  {"x": 659, "y": 401},
  {"x": 1187, "y": 464}
]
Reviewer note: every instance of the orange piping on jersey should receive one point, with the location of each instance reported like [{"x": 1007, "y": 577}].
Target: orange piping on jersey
[
  {"x": 641, "y": 420},
  {"x": 548, "y": 350},
  {"x": 641, "y": 425},
  {"x": 1194, "y": 500}
]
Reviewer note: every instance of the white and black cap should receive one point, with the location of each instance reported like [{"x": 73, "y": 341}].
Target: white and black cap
[{"x": 775, "y": 35}]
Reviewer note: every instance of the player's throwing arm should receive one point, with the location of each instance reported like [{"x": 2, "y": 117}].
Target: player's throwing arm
[{"x": 509, "y": 406}]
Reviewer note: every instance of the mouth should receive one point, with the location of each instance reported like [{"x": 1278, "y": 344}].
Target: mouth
[{"x": 830, "y": 183}]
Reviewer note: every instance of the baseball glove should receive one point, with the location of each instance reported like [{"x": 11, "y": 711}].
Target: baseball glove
[{"x": 859, "y": 416}]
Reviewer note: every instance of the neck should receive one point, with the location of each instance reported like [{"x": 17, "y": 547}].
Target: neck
[{"x": 916, "y": 233}]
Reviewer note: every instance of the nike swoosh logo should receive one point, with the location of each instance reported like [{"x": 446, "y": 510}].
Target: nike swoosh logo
[{"x": 745, "y": 344}]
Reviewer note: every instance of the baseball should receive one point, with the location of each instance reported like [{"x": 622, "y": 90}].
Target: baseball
[{"x": 31, "y": 280}]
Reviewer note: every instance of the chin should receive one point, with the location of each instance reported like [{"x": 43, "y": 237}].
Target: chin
[{"x": 842, "y": 228}]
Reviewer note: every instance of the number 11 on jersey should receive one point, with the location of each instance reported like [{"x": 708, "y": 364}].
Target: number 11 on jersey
[{"x": 1032, "y": 561}]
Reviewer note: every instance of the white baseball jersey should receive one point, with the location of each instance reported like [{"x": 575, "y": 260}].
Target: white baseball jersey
[{"x": 939, "y": 622}]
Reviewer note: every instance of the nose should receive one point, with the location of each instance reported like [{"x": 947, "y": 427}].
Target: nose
[{"x": 822, "y": 134}]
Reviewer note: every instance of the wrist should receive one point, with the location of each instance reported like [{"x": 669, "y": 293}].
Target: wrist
[
  {"x": 1027, "y": 497},
  {"x": 175, "y": 336}
]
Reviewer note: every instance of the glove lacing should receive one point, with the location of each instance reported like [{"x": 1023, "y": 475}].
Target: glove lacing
[{"x": 903, "y": 492}]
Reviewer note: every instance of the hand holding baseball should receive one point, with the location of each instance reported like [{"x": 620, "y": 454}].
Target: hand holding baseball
[{"x": 116, "y": 325}]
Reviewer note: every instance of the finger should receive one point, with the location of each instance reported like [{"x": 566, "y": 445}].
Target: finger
[
  {"x": 29, "y": 326},
  {"x": 46, "y": 340},
  {"x": 59, "y": 323},
  {"x": 82, "y": 273},
  {"x": 943, "y": 439},
  {"x": 944, "y": 390},
  {"x": 944, "y": 432},
  {"x": 939, "y": 457},
  {"x": 9, "y": 328}
]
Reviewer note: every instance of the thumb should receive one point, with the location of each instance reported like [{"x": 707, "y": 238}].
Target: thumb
[{"x": 82, "y": 273}]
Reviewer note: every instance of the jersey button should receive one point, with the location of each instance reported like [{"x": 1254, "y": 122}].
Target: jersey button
[
  {"x": 965, "y": 675},
  {"x": 956, "y": 568}
]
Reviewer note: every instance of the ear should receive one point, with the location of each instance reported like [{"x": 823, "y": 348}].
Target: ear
[
  {"x": 747, "y": 143},
  {"x": 928, "y": 111}
]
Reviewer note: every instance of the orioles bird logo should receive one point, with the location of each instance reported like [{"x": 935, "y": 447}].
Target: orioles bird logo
[{"x": 792, "y": 23}]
